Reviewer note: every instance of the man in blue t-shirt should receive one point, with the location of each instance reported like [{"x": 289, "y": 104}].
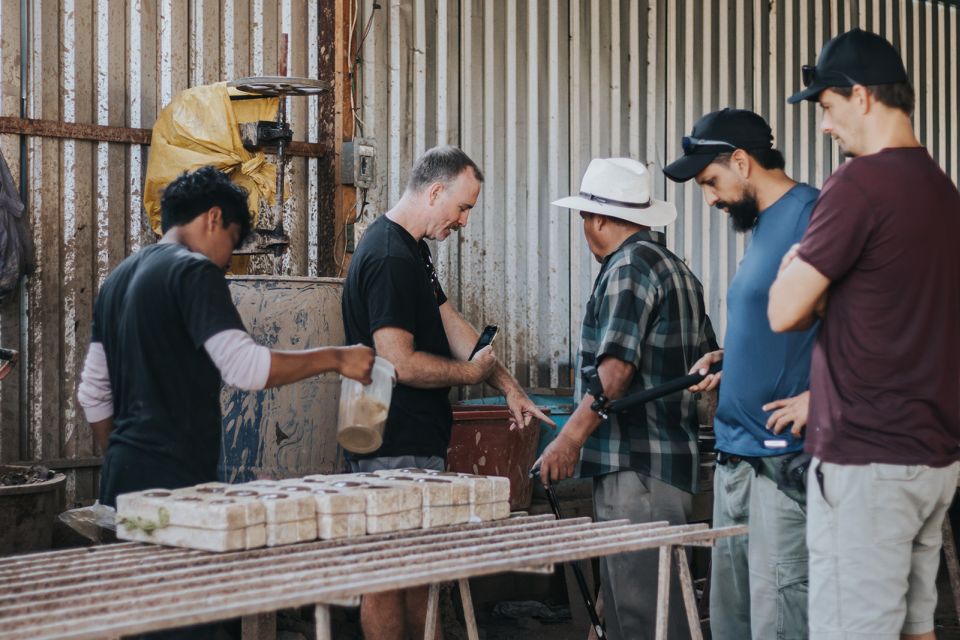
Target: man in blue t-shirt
[{"x": 758, "y": 586}]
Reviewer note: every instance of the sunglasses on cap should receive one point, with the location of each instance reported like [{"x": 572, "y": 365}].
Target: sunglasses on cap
[
  {"x": 692, "y": 145},
  {"x": 809, "y": 75}
]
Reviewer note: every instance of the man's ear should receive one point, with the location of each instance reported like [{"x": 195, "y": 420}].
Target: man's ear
[
  {"x": 863, "y": 98},
  {"x": 740, "y": 163},
  {"x": 214, "y": 218},
  {"x": 434, "y": 191}
]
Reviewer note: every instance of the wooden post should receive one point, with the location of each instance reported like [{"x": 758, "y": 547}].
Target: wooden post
[
  {"x": 689, "y": 599},
  {"x": 469, "y": 619},
  {"x": 321, "y": 616},
  {"x": 433, "y": 610},
  {"x": 663, "y": 593}
]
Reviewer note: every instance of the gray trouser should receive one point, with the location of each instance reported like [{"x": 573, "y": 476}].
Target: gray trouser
[
  {"x": 629, "y": 580},
  {"x": 729, "y": 572},
  {"x": 778, "y": 561},
  {"x": 758, "y": 582}
]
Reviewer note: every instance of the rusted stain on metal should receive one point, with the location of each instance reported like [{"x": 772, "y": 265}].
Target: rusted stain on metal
[
  {"x": 326, "y": 166},
  {"x": 144, "y": 587}
]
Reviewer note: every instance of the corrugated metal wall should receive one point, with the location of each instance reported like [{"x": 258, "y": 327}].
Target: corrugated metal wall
[
  {"x": 533, "y": 89},
  {"x": 118, "y": 62}
]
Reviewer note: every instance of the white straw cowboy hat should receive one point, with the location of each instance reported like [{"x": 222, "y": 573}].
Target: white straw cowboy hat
[{"x": 620, "y": 187}]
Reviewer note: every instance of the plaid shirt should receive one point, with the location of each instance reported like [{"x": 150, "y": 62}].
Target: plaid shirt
[{"x": 646, "y": 309}]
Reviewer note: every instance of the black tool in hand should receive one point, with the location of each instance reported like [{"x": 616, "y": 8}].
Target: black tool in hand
[
  {"x": 665, "y": 389},
  {"x": 577, "y": 573}
]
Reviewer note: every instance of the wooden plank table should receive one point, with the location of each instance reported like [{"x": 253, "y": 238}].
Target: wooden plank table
[{"x": 129, "y": 588}]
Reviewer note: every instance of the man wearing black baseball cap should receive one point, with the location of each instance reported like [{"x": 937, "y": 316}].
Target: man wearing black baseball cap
[
  {"x": 759, "y": 582},
  {"x": 884, "y": 423}
]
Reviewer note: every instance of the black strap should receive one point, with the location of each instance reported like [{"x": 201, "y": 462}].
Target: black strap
[{"x": 619, "y": 203}]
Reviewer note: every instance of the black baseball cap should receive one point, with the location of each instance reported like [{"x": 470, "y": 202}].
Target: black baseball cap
[
  {"x": 719, "y": 132},
  {"x": 854, "y": 57}
]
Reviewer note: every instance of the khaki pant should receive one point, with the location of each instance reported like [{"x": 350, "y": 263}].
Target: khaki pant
[{"x": 874, "y": 537}]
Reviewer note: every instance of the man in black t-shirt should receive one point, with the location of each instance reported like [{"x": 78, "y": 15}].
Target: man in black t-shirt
[
  {"x": 392, "y": 299},
  {"x": 165, "y": 332}
]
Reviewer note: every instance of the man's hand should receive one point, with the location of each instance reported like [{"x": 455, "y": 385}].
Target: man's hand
[
  {"x": 789, "y": 411},
  {"x": 712, "y": 381},
  {"x": 356, "y": 362},
  {"x": 522, "y": 410},
  {"x": 559, "y": 459},
  {"x": 484, "y": 362}
]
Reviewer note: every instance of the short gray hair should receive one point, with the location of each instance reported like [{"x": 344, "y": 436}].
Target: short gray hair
[{"x": 440, "y": 164}]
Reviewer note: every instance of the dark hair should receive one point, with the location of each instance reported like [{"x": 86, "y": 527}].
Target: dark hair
[
  {"x": 769, "y": 159},
  {"x": 441, "y": 164},
  {"x": 898, "y": 95},
  {"x": 196, "y": 192}
]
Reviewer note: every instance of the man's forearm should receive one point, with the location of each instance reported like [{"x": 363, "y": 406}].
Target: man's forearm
[
  {"x": 101, "y": 433},
  {"x": 292, "y": 366},
  {"x": 501, "y": 380},
  {"x": 424, "y": 370},
  {"x": 615, "y": 375},
  {"x": 797, "y": 296}
]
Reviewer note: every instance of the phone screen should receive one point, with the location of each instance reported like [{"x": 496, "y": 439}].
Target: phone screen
[{"x": 489, "y": 333}]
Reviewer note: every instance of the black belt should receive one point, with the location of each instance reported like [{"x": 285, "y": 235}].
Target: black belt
[{"x": 725, "y": 458}]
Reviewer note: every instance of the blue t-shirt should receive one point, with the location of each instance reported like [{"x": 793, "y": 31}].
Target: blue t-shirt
[{"x": 760, "y": 366}]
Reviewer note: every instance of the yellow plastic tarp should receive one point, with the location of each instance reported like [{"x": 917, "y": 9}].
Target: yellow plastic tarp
[{"x": 200, "y": 127}]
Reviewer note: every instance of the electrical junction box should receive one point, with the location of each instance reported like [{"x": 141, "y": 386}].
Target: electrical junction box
[{"x": 357, "y": 160}]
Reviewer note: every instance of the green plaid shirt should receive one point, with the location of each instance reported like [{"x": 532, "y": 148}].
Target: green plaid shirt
[{"x": 646, "y": 309}]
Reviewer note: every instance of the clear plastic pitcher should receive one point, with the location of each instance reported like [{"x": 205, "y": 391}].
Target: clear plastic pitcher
[{"x": 364, "y": 408}]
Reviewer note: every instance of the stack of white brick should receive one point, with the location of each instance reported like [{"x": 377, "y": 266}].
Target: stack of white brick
[{"x": 221, "y": 517}]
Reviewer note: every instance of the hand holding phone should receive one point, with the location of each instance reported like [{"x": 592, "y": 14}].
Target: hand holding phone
[{"x": 486, "y": 338}]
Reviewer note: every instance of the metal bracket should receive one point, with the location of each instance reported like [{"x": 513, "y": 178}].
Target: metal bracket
[{"x": 274, "y": 137}]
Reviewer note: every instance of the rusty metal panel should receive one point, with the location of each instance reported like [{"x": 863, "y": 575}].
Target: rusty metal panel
[
  {"x": 10, "y": 387},
  {"x": 545, "y": 85},
  {"x": 288, "y": 431},
  {"x": 116, "y": 63}
]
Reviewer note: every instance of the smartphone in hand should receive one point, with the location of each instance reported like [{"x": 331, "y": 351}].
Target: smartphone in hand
[{"x": 486, "y": 338}]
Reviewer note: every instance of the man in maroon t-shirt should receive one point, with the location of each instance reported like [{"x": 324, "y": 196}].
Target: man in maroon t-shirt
[{"x": 879, "y": 264}]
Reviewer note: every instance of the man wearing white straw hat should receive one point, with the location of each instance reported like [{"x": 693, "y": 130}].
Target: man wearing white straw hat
[{"x": 644, "y": 324}]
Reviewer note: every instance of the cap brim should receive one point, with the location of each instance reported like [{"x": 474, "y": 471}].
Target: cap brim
[
  {"x": 658, "y": 214},
  {"x": 688, "y": 166},
  {"x": 810, "y": 93}
]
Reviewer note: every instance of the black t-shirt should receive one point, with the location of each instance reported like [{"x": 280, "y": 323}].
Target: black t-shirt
[
  {"x": 152, "y": 315},
  {"x": 391, "y": 283}
]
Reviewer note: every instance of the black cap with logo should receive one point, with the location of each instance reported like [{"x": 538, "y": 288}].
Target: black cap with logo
[
  {"x": 719, "y": 132},
  {"x": 854, "y": 57}
]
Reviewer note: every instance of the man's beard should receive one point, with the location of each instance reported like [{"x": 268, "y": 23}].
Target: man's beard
[{"x": 743, "y": 214}]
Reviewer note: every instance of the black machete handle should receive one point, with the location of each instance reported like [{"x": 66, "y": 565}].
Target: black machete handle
[{"x": 665, "y": 389}]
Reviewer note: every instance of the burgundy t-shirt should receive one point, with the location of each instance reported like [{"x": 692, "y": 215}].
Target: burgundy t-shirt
[{"x": 885, "y": 373}]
